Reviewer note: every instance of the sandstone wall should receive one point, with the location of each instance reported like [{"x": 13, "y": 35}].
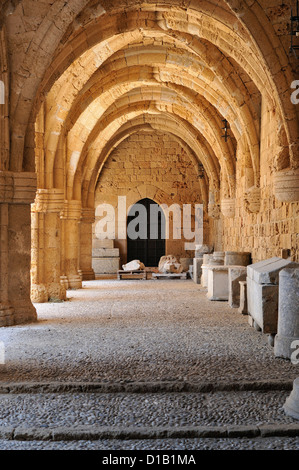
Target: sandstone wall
[{"x": 276, "y": 225}]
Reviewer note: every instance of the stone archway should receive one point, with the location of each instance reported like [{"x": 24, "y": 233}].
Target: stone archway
[{"x": 150, "y": 248}]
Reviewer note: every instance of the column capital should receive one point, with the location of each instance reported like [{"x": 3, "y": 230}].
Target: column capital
[
  {"x": 17, "y": 187},
  {"x": 48, "y": 200}
]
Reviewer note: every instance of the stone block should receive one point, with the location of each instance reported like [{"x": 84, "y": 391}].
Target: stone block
[
  {"x": 235, "y": 275},
  {"x": 105, "y": 265},
  {"x": 217, "y": 283},
  {"x": 237, "y": 258},
  {"x": 288, "y": 313},
  {"x": 105, "y": 243}
]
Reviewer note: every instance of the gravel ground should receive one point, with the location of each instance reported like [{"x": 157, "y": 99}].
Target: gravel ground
[{"x": 140, "y": 331}]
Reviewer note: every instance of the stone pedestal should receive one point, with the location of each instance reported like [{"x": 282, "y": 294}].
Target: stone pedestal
[
  {"x": 235, "y": 275},
  {"x": 291, "y": 406},
  {"x": 262, "y": 292},
  {"x": 197, "y": 271},
  {"x": 288, "y": 313},
  {"x": 243, "y": 298},
  {"x": 237, "y": 258},
  {"x": 17, "y": 192},
  {"x": 217, "y": 283}
]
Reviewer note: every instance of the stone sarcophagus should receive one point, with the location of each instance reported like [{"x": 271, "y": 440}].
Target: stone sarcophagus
[{"x": 262, "y": 292}]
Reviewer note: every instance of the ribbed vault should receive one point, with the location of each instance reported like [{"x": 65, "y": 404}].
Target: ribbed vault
[{"x": 85, "y": 76}]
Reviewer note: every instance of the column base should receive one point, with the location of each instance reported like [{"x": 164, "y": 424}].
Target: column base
[
  {"x": 88, "y": 275},
  {"x": 25, "y": 314},
  {"x": 6, "y": 315},
  {"x": 74, "y": 281},
  {"x": 41, "y": 293}
]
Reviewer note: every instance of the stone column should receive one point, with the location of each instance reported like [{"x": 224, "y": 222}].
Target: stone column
[
  {"x": 71, "y": 216},
  {"x": 87, "y": 219},
  {"x": 288, "y": 313},
  {"x": 46, "y": 246},
  {"x": 17, "y": 192}
]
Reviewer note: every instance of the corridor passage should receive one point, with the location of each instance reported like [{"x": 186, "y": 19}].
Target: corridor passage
[{"x": 123, "y": 356}]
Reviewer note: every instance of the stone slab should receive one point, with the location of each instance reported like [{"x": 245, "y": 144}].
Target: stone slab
[{"x": 267, "y": 271}]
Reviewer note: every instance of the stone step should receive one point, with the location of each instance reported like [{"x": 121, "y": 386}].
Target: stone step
[
  {"x": 93, "y": 433},
  {"x": 144, "y": 415}
]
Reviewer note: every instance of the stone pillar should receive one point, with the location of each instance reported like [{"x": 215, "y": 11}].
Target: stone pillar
[
  {"x": 71, "y": 216},
  {"x": 291, "y": 406},
  {"x": 17, "y": 192},
  {"x": 87, "y": 219},
  {"x": 288, "y": 313},
  {"x": 46, "y": 246}
]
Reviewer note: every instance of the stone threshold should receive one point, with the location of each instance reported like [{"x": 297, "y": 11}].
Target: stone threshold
[
  {"x": 143, "y": 387},
  {"x": 93, "y": 433}
]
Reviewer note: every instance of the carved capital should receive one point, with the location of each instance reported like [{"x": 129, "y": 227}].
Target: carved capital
[
  {"x": 252, "y": 200},
  {"x": 286, "y": 185},
  {"x": 48, "y": 200},
  {"x": 228, "y": 207}
]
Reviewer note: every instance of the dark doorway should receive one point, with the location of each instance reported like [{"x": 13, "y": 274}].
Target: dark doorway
[{"x": 150, "y": 225}]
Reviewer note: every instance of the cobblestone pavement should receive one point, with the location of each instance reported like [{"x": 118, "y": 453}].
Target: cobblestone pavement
[{"x": 143, "y": 354}]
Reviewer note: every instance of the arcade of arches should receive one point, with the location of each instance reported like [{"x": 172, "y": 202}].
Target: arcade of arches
[{"x": 107, "y": 98}]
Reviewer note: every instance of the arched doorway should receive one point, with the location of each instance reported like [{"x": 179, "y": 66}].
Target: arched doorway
[{"x": 149, "y": 244}]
